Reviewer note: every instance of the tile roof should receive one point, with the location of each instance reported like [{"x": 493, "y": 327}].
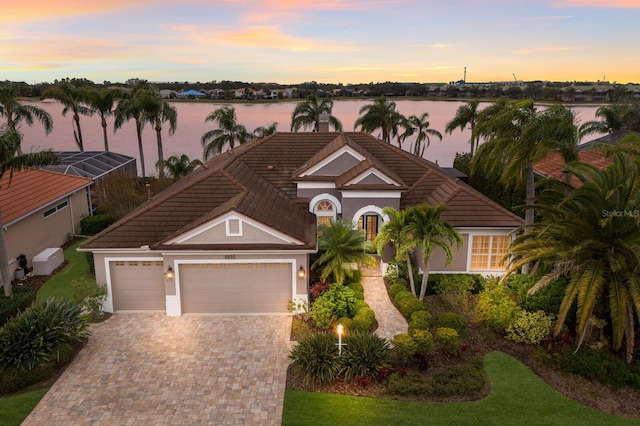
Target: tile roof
[
  {"x": 259, "y": 178},
  {"x": 27, "y": 191},
  {"x": 552, "y": 165}
]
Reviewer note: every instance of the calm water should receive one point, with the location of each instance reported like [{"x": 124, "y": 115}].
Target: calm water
[{"x": 191, "y": 127}]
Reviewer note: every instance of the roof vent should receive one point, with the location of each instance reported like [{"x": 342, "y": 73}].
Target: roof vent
[
  {"x": 270, "y": 167},
  {"x": 323, "y": 123}
]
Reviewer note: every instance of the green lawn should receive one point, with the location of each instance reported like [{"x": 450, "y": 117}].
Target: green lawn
[
  {"x": 518, "y": 397},
  {"x": 14, "y": 409},
  {"x": 72, "y": 282}
]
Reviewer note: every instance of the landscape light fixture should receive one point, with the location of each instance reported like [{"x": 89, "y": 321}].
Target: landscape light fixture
[
  {"x": 301, "y": 273},
  {"x": 340, "y": 330},
  {"x": 168, "y": 274}
]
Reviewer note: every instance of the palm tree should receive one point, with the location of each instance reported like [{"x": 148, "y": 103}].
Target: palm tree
[
  {"x": 73, "y": 98},
  {"x": 180, "y": 166},
  {"x": 228, "y": 132},
  {"x": 264, "y": 131},
  {"x": 611, "y": 120},
  {"x": 382, "y": 114},
  {"x": 101, "y": 101},
  {"x": 156, "y": 111},
  {"x": 426, "y": 230},
  {"x": 592, "y": 237},
  {"x": 419, "y": 126},
  {"x": 340, "y": 245},
  {"x": 129, "y": 107},
  {"x": 517, "y": 136},
  {"x": 395, "y": 232},
  {"x": 307, "y": 114},
  {"x": 15, "y": 112},
  {"x": 9, "y": 142},
  {"x": 466, "y": 115}
]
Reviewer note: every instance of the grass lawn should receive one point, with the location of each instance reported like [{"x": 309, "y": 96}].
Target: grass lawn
[
  {"x": 72, "y": 282},
  {"x": 14, "y": 409},
  {"x": 518, "y": 397}
]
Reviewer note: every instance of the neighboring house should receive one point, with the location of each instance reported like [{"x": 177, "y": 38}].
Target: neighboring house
[
  {"x": 190, "y": 94},
  {"x": 41, "y": 209},
  {"x": 236, "y": 235}
]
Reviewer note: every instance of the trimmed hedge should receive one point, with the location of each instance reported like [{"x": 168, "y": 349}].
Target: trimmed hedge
[
  {"x": 455, "y": 321},
  {"x": 420, "y": 320},
  {"x": 394, "y": 289},
  {"x": 10, "y": 306},
  {"x": 410, "y": 305},
  {"x": 364, "y": 319},
  {"x": 92, "y": 225}
]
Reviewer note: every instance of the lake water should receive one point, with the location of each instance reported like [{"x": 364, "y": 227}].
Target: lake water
[{"x": 191, "y": 127}]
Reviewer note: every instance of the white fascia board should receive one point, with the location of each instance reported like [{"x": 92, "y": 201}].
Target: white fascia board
[
  {"x": 345, "y": 149},
  {"x": 371, "y": 194},
  {"x": 316, "y": 185},
  {"x": 374, "y": 172}
]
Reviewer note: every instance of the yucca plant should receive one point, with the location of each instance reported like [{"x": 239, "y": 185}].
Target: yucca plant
[{"x": 38, "y": 334}]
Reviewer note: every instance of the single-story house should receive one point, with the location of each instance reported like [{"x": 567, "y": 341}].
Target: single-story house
[
  {"x": 41, "y": 209},
  {"x": 236, "y": 235},
  {"x": 191, "y": 93}
]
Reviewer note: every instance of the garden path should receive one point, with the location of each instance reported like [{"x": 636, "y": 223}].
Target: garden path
[{"x": 390, "y": 320}]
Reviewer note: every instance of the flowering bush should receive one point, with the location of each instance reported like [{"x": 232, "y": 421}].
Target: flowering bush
[{"x": 530, "y": 327}]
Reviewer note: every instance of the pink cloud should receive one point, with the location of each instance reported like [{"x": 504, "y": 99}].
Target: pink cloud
[{"x": 600, "y": 3}]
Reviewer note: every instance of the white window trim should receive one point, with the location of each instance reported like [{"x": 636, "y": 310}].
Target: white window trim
[
  {"x": 491, "y": 255},
  {"x": 228, "y": 231},
  {"x": 369, "y": 209},
  {"x": 56, "y": 208},
  {"x": 313, "y": 204}
]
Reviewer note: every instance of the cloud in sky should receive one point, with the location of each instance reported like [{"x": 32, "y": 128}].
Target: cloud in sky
[{"x": 600, "y": 3}]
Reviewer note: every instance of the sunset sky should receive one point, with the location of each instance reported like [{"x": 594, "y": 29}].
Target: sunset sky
[{"x": 331, "y": 41}]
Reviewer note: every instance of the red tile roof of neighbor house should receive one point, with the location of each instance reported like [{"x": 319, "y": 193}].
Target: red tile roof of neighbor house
[
  {"x": 553, "y": 165},
  {"x": 258, "y": 179},
  {"x": 30, "y": 190}
]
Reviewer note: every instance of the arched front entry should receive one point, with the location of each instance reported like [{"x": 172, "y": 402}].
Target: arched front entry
[{"x": 370, "y": 219}]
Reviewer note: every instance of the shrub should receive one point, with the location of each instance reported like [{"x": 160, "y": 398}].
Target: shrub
[
  {"x": 40, "y": 333},
  {"x": 424, "y": 341},
  {"x": 355, "y": 277},
  {"x": 10, "y": 306},
  {"x": 394, "y": 289},
  {"x": 547, "y": 298},
  {"x": 465, "y": 379},
  {"x": 600, "y": 365},
  {"x": 360, "y": 304},
  {"x": 420, "y": 320},
  {"x": 299, "y": 329},
  {"x": 318, "y": 288},
  {"x": 410, "y": 305},
  {"x": 317, "y": 357},
  {"x": 364, "y": 319},
  {"x": 530, "y": 327},
  {"x": 405, "y": 346},
  {"x": 496, "y": 308},
  {"x": 364, "y": 355},
  {"x": 91, "y": 262},
  {"x": 455, "y": 321},
  {"x": 455, "y": 283},
  {"x": 448, "y": 339},
  {"x": 92, "y": 225},
  {"x": 338, "y": 301},
  {"x": 401, "y": 295},
  {"x": 358, "y": 290},
  {"x": 92, "y": 303}
]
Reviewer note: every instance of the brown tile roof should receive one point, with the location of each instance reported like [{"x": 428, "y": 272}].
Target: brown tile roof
[
  {"x": 259, "y": 178},
  {"x": 552, "y": 165},
  {"x": 30, "y": 190}
]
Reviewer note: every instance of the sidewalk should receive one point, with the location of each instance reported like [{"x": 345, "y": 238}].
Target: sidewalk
[{"x": 390, "y": 320}]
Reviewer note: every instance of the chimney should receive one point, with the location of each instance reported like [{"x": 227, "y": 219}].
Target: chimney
[{"x": 323, "y": 123}]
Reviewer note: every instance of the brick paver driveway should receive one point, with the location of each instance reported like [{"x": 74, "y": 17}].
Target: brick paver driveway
[{"x": 144, "y": 369}]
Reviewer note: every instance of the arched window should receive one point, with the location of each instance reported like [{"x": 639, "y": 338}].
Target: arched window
[
  {"x": 325, "y": 212},
  {"x": 370, "y": 218}
]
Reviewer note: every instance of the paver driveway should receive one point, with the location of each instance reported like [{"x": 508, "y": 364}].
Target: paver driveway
[{"x": 144, "y": 369}]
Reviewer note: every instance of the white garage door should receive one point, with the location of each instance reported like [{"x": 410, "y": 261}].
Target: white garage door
[
  {"x": 138, "y": 286},
  {"x": 235, "y": 287}
]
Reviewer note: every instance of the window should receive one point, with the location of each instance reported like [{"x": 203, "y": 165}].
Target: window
[
  {"x": 55, "y": 209},
  {"x": 487, "y": 252},
  {"x": 369, "y": 222},
  {"x": 234, "y": 228},
  {"x": 325, "y": 211}
]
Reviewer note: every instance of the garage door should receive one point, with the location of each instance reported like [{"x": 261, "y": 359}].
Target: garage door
[
  {"x": 235, "y": 287},
  {"x": 138, "y": 286}
]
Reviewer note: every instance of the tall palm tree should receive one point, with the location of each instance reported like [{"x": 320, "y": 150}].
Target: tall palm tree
[
  {"x": 591, "y": 235},
  {"x": 74, "y": 99},
  {"x": 517, "y": 136},
  {"x": 156, "y": 111},
  {"x": 426, "y": 230},
  {"x": 395, "y": 232},
  {"x": 466, "y": 115},
  {"x": 15, "y": 112},
  {"x": 307, "y": 114},
  {"x": 419, "y": 126},
  {"x": 129, "y": 108},
  {"x": 228, "y": 132},
  {"x": 102, "y": 101},
  {"x": 180, "y": 166},
  {"x": 264, "y": 131},
  {"x": 339, "y": 245},
  {"x": 382, "y": 114},
  {"x": 9, "y": 141},
  {"x": 611, "y": 119}
]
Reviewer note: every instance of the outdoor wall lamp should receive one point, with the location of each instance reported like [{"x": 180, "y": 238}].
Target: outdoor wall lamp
[
  {"x": 301, "y": 273},
  {"x": 168, "y": 274}
]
